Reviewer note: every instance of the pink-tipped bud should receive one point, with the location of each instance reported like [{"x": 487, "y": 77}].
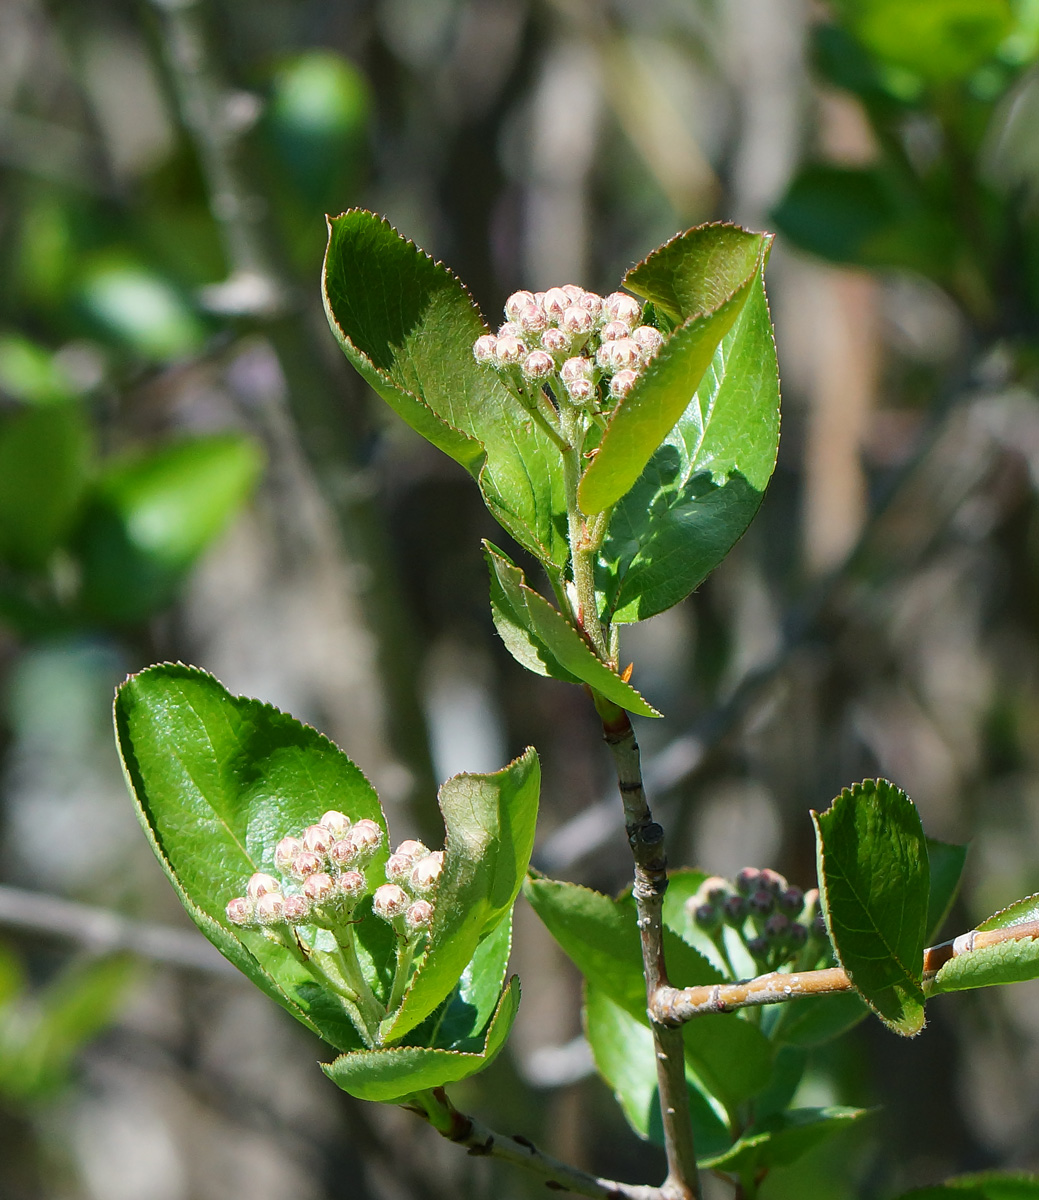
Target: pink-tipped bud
[
  {"x": 319, "y": 887},
  {"x": 613, "y": 330},
  {"x": 412, "y": 849},
  {"x": 483, "y": 348},
  {"x": 398, "y": 867},
  {"x": 517, "y": 302},
  {"x": 285, "y": 851},
  {"x": 577, "y": 367},
  {"x": 426, "y": 872},
  {"x": 538, "y": 364},
  {"x": 318, "y": 838},
  {"x": 592, "y": 301},
  {"x": 510, "y": 329},
  {"x": 390, "y": 901},
  {"x": 338, "y": 822},
  {"x": 239, "y": 910},
  {"x": 576, "y": 321},
  {"x": 648, "y": 340},
  {"x": 295, "y": 910},
  {"x": 509, "y": 351},
  {"x": 419, "y": 916},
  {"x": 352, "y": 884},
  {"x": 581, "y": 391},
  {"x": 270, "y": 908},
  {"x": 622, "y": 307},
  {"x": 307, "y": 863},
  {"x": 621, "y": 384},
  {"x": 531, "y": 319},
  {"x": 623, "y": 354},
  {"x": 261, "y": 885},
  {"x": 344, "y": 853},
  {"x": 555, "y": 303},
  {"x": 573, "y": 292},
  {"x": 367, "y": 834},
  {"x": 555, "y": 341}
]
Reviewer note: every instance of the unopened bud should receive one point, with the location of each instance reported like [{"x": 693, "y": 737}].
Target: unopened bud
[
  {"x": 555, "y": 303},
  {"x": 239, "y": 910},
  {"x": 648, "y": 340},
  {"x": 426, "y": 872},
  {"x": 577, "y": 367},
  {"x": 398, "y": 867},
  {"x": 419, "y": 915},
  {"x": 811, "y": 903},
  {"x": 344, "y": 852},
  {"x": 622, "y": 383},
  {"x": 761, "y": 903},
  {"x": 622, "y": 307},
  {"x": 734, "y": 911},
  {"x": 517, "y": 302},
  {"x": 270, "y": 908},
  {"x": 747, "y": 880},
  {"x": 509, "y": 351},
  {"x": 581, "y": 391},
  {"x": 613, "y": 330},
  {"x": 707, "y": 917},
  {"x": 338, "y": 822},
  {"x": 592, "y": 301},
  {"x": 318, "y": 839},
  {"x": 772, "y": 881},
  {"x": 285, "y": 851},
  {"x": 295, "y": 910},
  {"x": 620, "y": 355},
  {"x": 791, "y": 901},
  {"x": 307, "y": 863},
  {"x": 412, "y": 849},
  {"x": 777, "y": 927},
  {"x": 713, "y": 890},
  {"x": 576, "y": 321},
  {"x": 510, "y": 329},
  {"x": 555, "y": 341},
  {"x": 319, "y": 887},
  {"x": 758, "y": 947},
  {"x": 797, "y": 936},
  {"x": 531, "y": 319},
  {"x": 261, "y": 885},
  {"x": 364, "y": 838},
  {"x": 574, "y": 293},
  {"x": 352, "y": 884},
  {"x": 818, "y": 929},
  {"x": 390, "y": 901},
  {"x": 538, "y": 364},
  {"x": 483, "y": 348}
]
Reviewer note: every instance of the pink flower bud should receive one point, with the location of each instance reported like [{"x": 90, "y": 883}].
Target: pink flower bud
[
  {"x": 398, "y": 867},
  {"x": 648, "y": 340},
  {"x": 426, "y": 872},
  {"x": 295, "y": 910},
  {"x": 613, "y": 330},
  {"x": 390, "y": 901},
  {"x": 555, "y": 341},
  {"x": 581, "y": 391},
  {"x": 538, "y": 364},
  {"x": 338, "y": 822},
  {"x": 419, "y": 916},
  {"x": 483, "y": 348},
  {"x": 270, "y": 908},
  {"x": 573, "y": 292},
  {"x": 319, "y": 887},
  {"x": 344, "y": 852},
  {"x": 621, "y": 383},
  {"x": 539, "y": 300},
  {"x": 578, "y": 367},
  {"x": 307, "y": 863},
  {"x": 510, "y": 329},
  {"x": 592, "y": 301},
  {"x": 318, "y": 839},
  {"x": 622, "y": 307},
  {"x": 352, "y": 884},
  {"x": 240, "y": 910},
  {"x": 261, "y": 885},
  {"x": 531, "y": 319},
  {"x": 517, "y": 302},
  {"x": 285, "y": 851},
  {"x": 619, "y": 355},
  {"x": 363, "y": 839},
  {"x": 412, "y": 849},
  {"x": 555, "y": 303},
  {"x": 576, "y": 321},
  {"x": 509, "y": 351}
]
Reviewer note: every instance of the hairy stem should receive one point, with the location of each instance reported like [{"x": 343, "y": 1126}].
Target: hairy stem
[
  {"x": 646, "y": 839},
  {"x": 581, "y": 557}
]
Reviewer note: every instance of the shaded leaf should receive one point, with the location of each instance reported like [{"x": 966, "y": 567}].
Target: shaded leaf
[
  {"x": 816, "y": 1020},
  {"x": 782, "y": 1138},
  {"x": 945, "y": 863}
]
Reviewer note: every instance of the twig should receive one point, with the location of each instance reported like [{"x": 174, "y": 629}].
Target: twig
[
  {"x": 675, "y": 1006},
  {"x": 107, "y": 932},
  {"x": 646, "y": 839}
]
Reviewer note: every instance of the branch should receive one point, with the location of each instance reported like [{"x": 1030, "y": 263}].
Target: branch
[
  {"x": 675, "y": 1006},
  {"x": 646, "y": 839}
]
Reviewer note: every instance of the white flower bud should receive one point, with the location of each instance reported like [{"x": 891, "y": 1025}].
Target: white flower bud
[
  {"x": 426, "y": 872},
  {"x": 344, "y": 852},
  {"x": 509, "y": 351},
  {"x": 318, "y": 839},
  {"x": 516, "y": 303},
  {"x": 270, "y": 908},
  {"x": 483, "y": 348},
  {"x": 390, "y": 901},
  {"x": 239, "y": 910},
  {"x": 352, "y": 884},
  {"x": 555, "y": 341},
  {"x": 307, "y": 863},
  {"x": 592, "y": 301},
  {"x": 419, "y": 916},
  {"x": 648, "y": 340},
  {"x": 510, "y": 329},
  {"x": 295, "y": 910},
  {"x": 576, "y": 321},
  {"x": 621, "y": 383},
  {"x": 539, "y": 300},
  {"x": 538, "y": 364},
  {"x": 619, "y": 355},
  {"x": 361, "y": 841},
  {"x": 622, "y": 307},
  {"x": 577, "y": 367},
  {"x": 613, "y": 330},
  {"x": 398, "y": 867},
  {"x": 581, "y": 391},
  {"x": 412, "y": 849},
  {"x": 573, "y": 292},
  {"x": 319, "y": 887},
  {"x": 555, "y": 303},
  {"x": 532, "y": 319},
  {"x": 285, "y": 851},
  {"x": 338, "y": 822},
  {"x": 261, "y": 885}
]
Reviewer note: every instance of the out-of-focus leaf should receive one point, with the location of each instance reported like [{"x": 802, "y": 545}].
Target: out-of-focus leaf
[
  {"x": 782, "y": 1138},
  {"x": 541, "y": 639},
  {"x": 29, "y": 373},
  {"x": 987, "y": 1185},
  {"x": 816, "y": 1020},
  {"x": 945, "y": 862},
  {"x": 153, "y": 514},
  {"x": 874, "y": 886},
  {"x": 142, "y": 310}
]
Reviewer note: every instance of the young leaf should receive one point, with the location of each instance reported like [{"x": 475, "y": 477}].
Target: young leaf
[
  {"x": 394, "y": 1073},
  {"x": 541, "y": 639},
  {"x": 490, "y": 822},
  {"x": 945, "y": 862},
  {"x": 704, "y": 482},
  {"x": 408, "y": 327},
  {"x": 782, "y": 1138},
  {"x": 217, "y": 780},
  {"x": 1005, "y": 962},
  {"x": 874, "y": 885}
]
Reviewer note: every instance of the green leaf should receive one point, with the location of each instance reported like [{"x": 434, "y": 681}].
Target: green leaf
[
  {"x": 408, "y": 327},
  {"x": 394, "y": 1073},
  {"x": 874, "y": 884},
  {"x": 816, "y": 1020},
  {"x": 987, "y": 1185},
  {"x": 1005, "y": 962},
  {"x": 141, "y": 309},
  {"x": 218, "y": 780},
  {"x": 782, "y": 1138},
  {"x": 1014, "y": 914},
  {"x": 541, "y": 639},
  {"x": 32, "y": 374},
  {"x": 704, "y": 483},
  {"x": 625, "y": 1057},
  {"x": 945, "y": 862},
  {"x": 703, "y": 277},
  {"x": 490, "y": 822},
  {"x": 45, "y": 454},
  {"x": 152, "y": 516}
]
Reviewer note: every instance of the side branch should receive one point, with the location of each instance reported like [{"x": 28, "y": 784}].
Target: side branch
[{"x": 674, "y": 1006}]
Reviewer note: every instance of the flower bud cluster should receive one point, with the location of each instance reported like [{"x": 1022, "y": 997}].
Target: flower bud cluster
[
  {"x": 586, "y": 347},
  {"x": 412, "y": 873},
  {"x": 778, "y": 923}
]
